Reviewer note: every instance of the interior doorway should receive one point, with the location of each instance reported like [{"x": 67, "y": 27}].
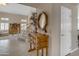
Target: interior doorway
[{"x": 65, "y": 31}]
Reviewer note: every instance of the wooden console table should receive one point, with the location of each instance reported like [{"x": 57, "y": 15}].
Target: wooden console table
[{"x": 39, "y": 42}]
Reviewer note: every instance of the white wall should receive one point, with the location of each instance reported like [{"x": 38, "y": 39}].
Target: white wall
[
  {"x": 54, "y": 19},
  {"x": 73, "y": 8},
  {"x": 53, "y": 26},
  {"x": 74, "y": 28}
]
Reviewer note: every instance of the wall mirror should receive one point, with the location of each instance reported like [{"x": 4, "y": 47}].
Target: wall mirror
[{"x": 42, "y": 21}]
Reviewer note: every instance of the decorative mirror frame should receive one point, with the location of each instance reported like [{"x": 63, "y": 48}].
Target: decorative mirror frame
[{"x": 46, "y": 17}]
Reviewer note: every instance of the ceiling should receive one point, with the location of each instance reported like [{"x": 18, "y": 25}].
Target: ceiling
[{"x": 15, "y": 8}]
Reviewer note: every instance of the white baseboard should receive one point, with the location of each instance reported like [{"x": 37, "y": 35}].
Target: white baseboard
[{"x": 74, "y": 50}]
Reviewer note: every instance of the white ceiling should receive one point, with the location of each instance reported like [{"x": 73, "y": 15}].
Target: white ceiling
[{"x": 17, "y": 9}]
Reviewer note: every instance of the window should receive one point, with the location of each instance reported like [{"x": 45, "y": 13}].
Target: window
[
  {"x": 4, "y": 26},
  {"x": 23, "y": 24}
]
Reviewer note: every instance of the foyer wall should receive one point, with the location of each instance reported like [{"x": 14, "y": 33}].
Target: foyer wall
[{"x": 54, "y": 20}]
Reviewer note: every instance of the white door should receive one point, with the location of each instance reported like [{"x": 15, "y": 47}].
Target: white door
[{"x": 65, "y": 31}]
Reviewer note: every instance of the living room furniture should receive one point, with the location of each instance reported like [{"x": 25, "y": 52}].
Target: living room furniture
[{"x": 39, "y": 42}]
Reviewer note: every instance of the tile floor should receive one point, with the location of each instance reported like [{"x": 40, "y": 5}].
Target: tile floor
[
  {"x": 76, "y": 53},
  {"x": 10, "y": 46}
]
